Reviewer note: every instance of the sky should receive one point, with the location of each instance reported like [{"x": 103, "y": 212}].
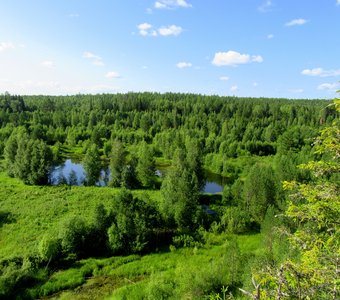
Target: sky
[{"x": 248, "y": 48}]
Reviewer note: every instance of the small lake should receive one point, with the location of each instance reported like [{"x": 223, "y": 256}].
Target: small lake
[{"x": 73, "y": 173}]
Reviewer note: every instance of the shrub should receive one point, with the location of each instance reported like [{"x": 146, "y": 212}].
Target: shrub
[
  {"x": 49, "y": 249},
  {"x": 73, "y": 234}
]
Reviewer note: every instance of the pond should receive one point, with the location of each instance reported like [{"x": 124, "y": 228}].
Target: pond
[{"x": 73, "y": 173}]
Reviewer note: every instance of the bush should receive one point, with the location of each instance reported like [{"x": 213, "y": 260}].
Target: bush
[
  {"x": 73, "y": 234},
  {"x": 50, "y": 249}
]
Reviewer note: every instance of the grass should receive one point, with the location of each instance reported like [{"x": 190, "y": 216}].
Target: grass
[
  {"x": 27, "y": 213},
  {"x": 133, "y": 276},
  {"x": 32, "y": 211}
]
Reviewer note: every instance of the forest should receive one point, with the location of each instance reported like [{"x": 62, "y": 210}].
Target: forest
[{"x": 141, "y": 225}]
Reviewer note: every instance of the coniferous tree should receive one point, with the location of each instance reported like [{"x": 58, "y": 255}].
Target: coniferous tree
[
  {"x": 92, "y": 165},
  {"x": 260, "y": 191},
  {"x": 117, "y": 163},
  {"x": 41, "y": 159},
  {"x": 146, "y": 165},
  {"x": 23, "y": 158},
  {"x": 10, "y": 152},
  {"x": 132, "y": 225},
  {"x": 129, "y": 176},
  {"x": 180, "y": 192},
  {"x": 195, "y": 161}
]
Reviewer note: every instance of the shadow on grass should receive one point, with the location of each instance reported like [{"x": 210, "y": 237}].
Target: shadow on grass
[{"x": 6, "y": 218}]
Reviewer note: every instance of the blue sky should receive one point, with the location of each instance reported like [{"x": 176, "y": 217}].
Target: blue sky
[{"x": 258, "y": 48}]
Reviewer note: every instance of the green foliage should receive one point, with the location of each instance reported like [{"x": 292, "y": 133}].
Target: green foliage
[
  {"x": 195, "y": 160},
  {"x": 315, "y": 209},
  {"x": 161, "y": 287},
  {"x": 16, "y": 274},
  {"x": 132, "y": 225},
  {"x": 146, "y": 165},
  {"x": 28, "y": 159},
  {"x": 180, "y": 194},
  {"x": 233, "y": 136},
  {"x": 10, "y": 152},
  {"x": 73, "y": 234},
  {"x": 185, "y": 241},
  {"x": 41, "y": 158},
  {"x": 92, "y": 165},
  {"x": 234, "y": 220},
  {"x": 129, "y": 176},
  {"x": 117, "y": 163},
  {"x": 49, "y": 249},
  {"x": 260, "y": 191}
]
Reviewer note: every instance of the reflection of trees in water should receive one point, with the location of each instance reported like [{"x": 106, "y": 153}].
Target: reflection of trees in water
[{"x": 72, "y": 173}]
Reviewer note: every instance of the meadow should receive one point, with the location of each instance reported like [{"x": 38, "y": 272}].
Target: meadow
[{"x": 32, "y": 212}]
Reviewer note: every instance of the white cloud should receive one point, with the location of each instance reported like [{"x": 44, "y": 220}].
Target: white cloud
[
  {"x": 265, "y": 7},
  {"x": 183, "y": 3},
  {"x": 233, "y": 58},
  {"x": 170, "y": 30},
  {"x": 338, "y": 2},
  {"x": 270, "y": 36},
  {"x": 296, "y": 22},
  {"x": 257, "y": 58},
  {"x": 224, "y": 78},
  {"x": 159, "y": 5},
  {"x": 234, "y": 88},
  {"x": 182, "y": 65},
  {"x": 321, "y": 72},
  {"x": 6, "y": 46},
  {"x": 96, "y": 60},
  {"x": 48, "y": 64},
  {"x": 169, "y": 4},
  {"x": 328, "y": 86},
  {"x": 112, "y": 74},
  {"x": 145, "y": 29}
]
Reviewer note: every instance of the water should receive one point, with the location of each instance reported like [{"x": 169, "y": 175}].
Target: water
[
  {"x": 73, "y": 173},
  {"x": 214, "y": 183}
]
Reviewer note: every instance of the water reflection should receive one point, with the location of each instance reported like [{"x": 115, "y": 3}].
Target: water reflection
[{"x": 73, "y": 173}]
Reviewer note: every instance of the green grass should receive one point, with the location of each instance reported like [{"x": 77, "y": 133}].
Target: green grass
[
  {"x": 187, "y": 271},
  {"x": 27, "y": 213},
  {"x": 32, "y": 211}
]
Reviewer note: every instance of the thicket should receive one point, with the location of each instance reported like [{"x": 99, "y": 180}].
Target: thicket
[{"x": 256, "y": 143}]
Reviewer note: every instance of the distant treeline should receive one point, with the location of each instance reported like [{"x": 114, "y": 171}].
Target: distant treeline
[{"x": 226, "y": 125}]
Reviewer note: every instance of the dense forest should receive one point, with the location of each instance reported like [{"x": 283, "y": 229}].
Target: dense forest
[{"x": 272, "y": 233}]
